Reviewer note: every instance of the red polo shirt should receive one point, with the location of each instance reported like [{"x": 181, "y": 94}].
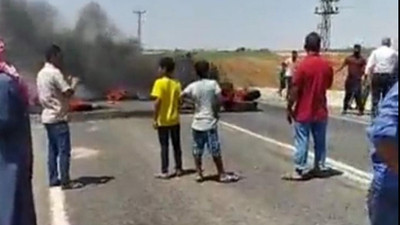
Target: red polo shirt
[{"x": 313, "y": 77}]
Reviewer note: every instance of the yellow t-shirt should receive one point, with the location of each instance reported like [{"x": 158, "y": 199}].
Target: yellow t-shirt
[{"x": 168, "y": 91}]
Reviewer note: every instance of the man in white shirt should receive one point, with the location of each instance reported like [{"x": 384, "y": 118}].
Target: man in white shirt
[
  {"x": 380, "y": 68},
  {"x": 206, "y": 94},
  {"x": 54, "y": 93},
  {"x": 290, "y": 64}
]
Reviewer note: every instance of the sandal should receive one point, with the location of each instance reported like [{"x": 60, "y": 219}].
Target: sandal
[{"x": 229, "y": 178}]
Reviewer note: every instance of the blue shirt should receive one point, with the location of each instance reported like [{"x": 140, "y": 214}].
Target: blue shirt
[{"x": 385, "y": 127}]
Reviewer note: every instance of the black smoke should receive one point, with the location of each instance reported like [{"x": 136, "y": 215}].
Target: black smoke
[{"x": 94, "y": 49}]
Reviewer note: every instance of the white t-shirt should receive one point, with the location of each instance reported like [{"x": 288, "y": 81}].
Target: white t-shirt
[
  {"x": 290, "y": 67},
  {"x": 382, "y": 60},
  {"x": 51, "y": 85},
  {"x": 204, "y": 93}
]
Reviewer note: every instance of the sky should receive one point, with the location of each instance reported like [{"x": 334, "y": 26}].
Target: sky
[{"x": 228, "y": 24}]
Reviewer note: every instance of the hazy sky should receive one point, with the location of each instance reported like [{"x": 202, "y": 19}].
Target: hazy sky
[{"x": 275, "y": 24}]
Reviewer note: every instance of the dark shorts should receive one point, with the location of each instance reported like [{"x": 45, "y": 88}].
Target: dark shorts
[{"x": 206, "y": 139}]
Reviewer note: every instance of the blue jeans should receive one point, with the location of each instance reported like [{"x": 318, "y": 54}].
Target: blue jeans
[
  {"x": 59, "y": 154},
  {"x": 383, "y": 207},
  {"x": 302, "y": 132},
  {"x": 206, "y": 139}
]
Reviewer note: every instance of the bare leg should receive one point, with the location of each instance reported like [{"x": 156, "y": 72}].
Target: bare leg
[
  {"x": 220, "y": 166},
  {"x": 199, "y": 169}
]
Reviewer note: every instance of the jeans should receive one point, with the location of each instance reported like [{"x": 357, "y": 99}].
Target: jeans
[
  {"x": 164, "y": 134},
  {"x": 206, "y": 139},
  {"x": 381, "y": 84},
  {"x": 383, "y": 207},
  {"x": 353, "y": 89},
  {"x": 302, "y": 133},
  {"x": 59, "y": 154}
]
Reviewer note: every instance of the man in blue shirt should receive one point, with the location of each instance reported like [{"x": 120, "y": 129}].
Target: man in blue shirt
[{"x": 383, "y": 200}]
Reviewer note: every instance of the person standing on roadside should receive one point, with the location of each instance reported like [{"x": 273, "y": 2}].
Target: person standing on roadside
[
  {"x": 307, "y": 107},
  {"x": 383, "y": 198},
  {"x": 380, "y": 66},
  {"x": 55, "y": 91},
  {"x": 166, "y": 92},
  {"x": 290, "y": 64},
  {"x": 206, "y": 94},
  {"x": 353, "y": 86},
  {"x": 16, "y": 156}
]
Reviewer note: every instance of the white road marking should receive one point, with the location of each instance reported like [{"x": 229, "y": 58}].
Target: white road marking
[
  {"x": 358, "y": 176},
  {"x": 57, "y": 207}
]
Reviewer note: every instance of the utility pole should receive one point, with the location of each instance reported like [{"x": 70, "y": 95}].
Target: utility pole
[
  {"x": 139, "y": 31},
  {"x": 326, "y": 10}
]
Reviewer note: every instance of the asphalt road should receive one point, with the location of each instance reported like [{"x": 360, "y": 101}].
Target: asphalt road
[{"x": 116, "y": 160}]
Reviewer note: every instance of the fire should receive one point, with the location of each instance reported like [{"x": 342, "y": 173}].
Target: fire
[
  {"x": 77, "y": 104},
  {"x": 116, "y": 95}
]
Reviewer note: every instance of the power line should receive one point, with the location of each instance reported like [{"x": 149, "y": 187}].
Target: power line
[
  {"x": 326, "y": 10},
  {"x": 139, "y": 26}
]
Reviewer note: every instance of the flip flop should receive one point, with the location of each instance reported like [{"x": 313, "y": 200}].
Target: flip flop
[
  {"x": 229, "y": 178},
  {"x": 162, "y": 176}
]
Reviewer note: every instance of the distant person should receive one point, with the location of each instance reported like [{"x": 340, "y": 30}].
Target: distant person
[
  {"x": 313, "y": 77},
  {"x": 291, "y": 64},
  {"x": 16, "y": 156},
  {"x": 206, "y": 94},
  {"x": 166, "y": 92},
  {"x": 353, "y": 86},
  {"x": 383, "y": 200},
  {"x": 55, "y": 91},
  {"x": 282, "y": 80},
  {"x": 380, "y": 66}
]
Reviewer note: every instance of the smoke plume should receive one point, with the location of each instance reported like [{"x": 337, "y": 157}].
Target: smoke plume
[{"x": 94, "y": 49}]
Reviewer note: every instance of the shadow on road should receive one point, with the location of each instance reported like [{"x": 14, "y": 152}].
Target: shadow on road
[
  {"x": 215, "y": 178},
  {"x": 83, "y": 182},
  {"x": 324, "y": 174}
]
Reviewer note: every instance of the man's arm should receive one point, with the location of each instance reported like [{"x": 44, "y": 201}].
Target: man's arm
[
  {"x": 344, "y": 64},
  {"x": 61, "y": 83},
  {"x": 297, "y": 82},
  {"x": 156, "y": 94},
  {"x": 370, "y": 64}
]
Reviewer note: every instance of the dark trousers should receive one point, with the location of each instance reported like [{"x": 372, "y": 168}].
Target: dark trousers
[
  {"x": 380, "y": 85},
  {"x": 59, "y": 152},
  {"x": 353, "y": 90},
  {"x": 164, "y": 134}
]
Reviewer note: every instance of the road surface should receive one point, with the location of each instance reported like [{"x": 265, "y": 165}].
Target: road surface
[{"x": 116, "y": 160}]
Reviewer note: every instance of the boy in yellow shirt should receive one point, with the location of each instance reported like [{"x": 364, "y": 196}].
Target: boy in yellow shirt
[{"x": 166, "y": 92}]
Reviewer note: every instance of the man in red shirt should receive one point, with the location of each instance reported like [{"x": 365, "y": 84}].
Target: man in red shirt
[
  {"x": 356, "y": 67},
  {"x": 307, "y": 107}
]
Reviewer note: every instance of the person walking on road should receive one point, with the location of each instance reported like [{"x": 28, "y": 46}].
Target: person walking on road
[
  {"x": 290, "y": 64},
  {"x": 16, "y": 157},
  {"x": 166, "y": 92},
  {"x": 206, "y": 94},
  {"x": 353, "y": 86},
  {"x": 54, "y": 91},
  {"x": 313, "y": 77},
  {"x": 380, "y": 66},
  {"x": 383, "y": 199}
]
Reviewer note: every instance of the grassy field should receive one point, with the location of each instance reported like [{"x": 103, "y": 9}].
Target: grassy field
[{"x": 257, "y": 68}]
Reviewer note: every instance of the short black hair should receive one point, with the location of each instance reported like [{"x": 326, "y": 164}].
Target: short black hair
[
  {"x": 313, "y": 42},
  {"x": 51, "y": 51},
  {"x": 202, "y": 68},
  {"x": 294, "y": 52},
  {"x": 168, "y": 64},
  {"x": 357, "y": 46}
]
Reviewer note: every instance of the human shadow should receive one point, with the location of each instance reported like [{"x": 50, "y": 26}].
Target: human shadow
[
  {"x": 313, "y": 174},
  {"x": 86, "y": 181},
  {"x": 185, "y": 172}
]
